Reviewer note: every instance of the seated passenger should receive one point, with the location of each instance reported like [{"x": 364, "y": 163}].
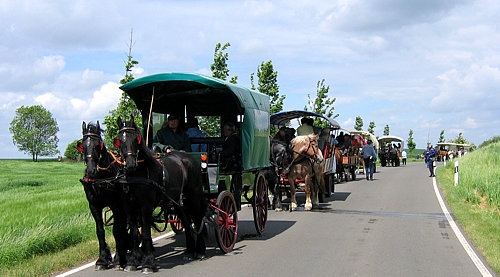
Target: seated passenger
[
  {"x": 194, "y": 131},
  {"x": 171, "y": 137},
  {"x": 231, "y": 146},
  {"x": 305, "y": 129},
  {"x": 281, "y": 135}
]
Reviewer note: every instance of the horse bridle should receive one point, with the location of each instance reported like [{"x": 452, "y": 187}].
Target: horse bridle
[
  {"x": 130, "y": 153},
  {"x": 99, "y": 156}
]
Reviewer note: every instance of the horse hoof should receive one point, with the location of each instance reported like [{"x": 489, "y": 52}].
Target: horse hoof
[
  {"x": 201, "y": 256},
  {"x": 129, "y": 268},
  {"x": 147, "y": 270},
  {"x": 278, "y": 210},
  {"x": 187, "y": 258},
  {"x": 308, "y": 207},
  {"x": 100, "y": 267}
]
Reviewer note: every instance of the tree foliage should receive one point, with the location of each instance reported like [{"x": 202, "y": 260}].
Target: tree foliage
[
  {"x": 441, "y": 137},
  {"x": 126, "y": 106},
  {"x": 411, "y": 144},
  {"x": 461, "y": 140},
  {"x": 386, "y": 130},
  {"x": 359, "y": 123},
  {"x": 322, "y": 104},
  {"x": 492, "y": 140},
  {"x": 267, "y": 84},
  {"x": 211, "y": 125},
  {"x": 219, "y": 67},
  {"x": 371, "y": 127},
  {"x": 34, "y": 131},
  {"x": 71, "y": 153}
]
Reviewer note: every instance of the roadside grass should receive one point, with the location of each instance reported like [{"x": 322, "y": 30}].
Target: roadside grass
[
  {"x": 46, "y": 222},
  {"x": 475, "y": 201}
]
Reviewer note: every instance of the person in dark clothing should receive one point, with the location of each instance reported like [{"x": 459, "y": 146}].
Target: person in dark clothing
[
  {"x": 231, "y": 145},
  {"x": 282, "y": 135},
  {"x": 430, "y": 155},
  {"x": 172, "y": 137}
]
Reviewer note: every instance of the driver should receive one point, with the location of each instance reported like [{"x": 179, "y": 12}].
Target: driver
[{"x": 171, "y": 137}]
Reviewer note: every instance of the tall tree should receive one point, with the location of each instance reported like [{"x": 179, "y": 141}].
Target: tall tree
[
  {"x": 34, "y": 131},
  {"x": 371, "y": 127},
  {"x": 126, "y": 106},
  {"x": 441, "y": 137},
  {"x": 268, "y": 85},
  {"x": 386, "y": 130},
  {"x": 411, "y": 143},
  {"x": 219, "y": 67},
  {"x": 322, "y": 104},
  {"x": 359, "y": 123}
]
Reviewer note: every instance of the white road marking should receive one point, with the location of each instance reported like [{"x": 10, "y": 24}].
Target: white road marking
[
  {"x": 475, "y": 259},
  {"x": 67, "y": 273}
]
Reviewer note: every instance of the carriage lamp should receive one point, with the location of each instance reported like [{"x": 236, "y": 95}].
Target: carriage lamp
[{"x": 203, "y": 159}]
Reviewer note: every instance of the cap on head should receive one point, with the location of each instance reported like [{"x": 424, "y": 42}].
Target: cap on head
[{"x": 173, "y": 117}]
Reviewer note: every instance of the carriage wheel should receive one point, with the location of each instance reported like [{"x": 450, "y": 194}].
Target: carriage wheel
[
  {"x": 260, "y": 203},
  {"x": 175, "y": 223},
  {"x": 159, "y": 223},
  {"x": 226, "y": 221},
  {"x": 346, "y": 174},
  {"x": 353, "y": 173}
]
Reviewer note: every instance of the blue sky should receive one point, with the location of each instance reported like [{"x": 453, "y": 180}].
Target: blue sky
[{"x": 425, "y": 65}]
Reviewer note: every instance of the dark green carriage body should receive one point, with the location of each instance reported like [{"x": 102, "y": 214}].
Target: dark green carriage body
[{"x": 199, "y": 95}]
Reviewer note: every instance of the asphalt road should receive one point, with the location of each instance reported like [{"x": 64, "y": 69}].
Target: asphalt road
[{"x": 392, "y": 226}]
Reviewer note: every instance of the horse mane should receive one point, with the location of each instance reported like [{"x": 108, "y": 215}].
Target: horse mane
[
  {"x": 303, "y": 139},
  {"x": 148, "y": 154},
  {"x": 92, "y": 128}
]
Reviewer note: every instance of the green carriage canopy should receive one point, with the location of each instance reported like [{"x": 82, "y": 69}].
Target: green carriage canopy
[{"x": 199, "y": 95}]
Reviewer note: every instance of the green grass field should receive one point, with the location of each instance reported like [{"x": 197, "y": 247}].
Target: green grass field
[{"x": 47, "y": 227}]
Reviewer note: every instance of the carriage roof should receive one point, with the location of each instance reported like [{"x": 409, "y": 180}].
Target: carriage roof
[
  {"x": 385, "y": 139},
  {"x": 281, "y": 118},
  {"x": 201, "y": 95}
]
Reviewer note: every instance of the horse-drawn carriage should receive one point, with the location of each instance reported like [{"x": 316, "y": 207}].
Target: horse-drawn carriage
[
  {"x": 390, "y": 149},
  {"x": 311, "y": 168},
  {"x": 174, "y": 187},
  {"x": 364, "y": 136},
  {"x": 450, "y": 150}
]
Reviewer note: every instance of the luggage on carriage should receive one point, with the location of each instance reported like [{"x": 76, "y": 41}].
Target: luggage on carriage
[{"x": 226, "y": 182}]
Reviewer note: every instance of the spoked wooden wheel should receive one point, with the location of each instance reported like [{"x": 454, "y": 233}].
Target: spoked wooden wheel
[
  {"x": 226, "y": 221},
  {"x": 260, "y": 203},
  {"x": 175, "y": 223}
]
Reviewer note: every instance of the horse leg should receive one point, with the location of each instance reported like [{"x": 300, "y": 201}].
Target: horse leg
[
  {"x": 104, "y": 260},
  {"x": 133, "y": 260},
  {"x": 148, "y": 259},
  {"x": 277, "y": 194},
  {"x": 307, "y": 189},
  {"x": 120, "y": 235},
  {"x": 293, "y": 201}
]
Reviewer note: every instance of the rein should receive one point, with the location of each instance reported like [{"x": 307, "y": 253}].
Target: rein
[{"x": 115, "y": 160}]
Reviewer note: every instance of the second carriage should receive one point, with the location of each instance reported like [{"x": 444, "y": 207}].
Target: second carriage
[
  {"x": 227, "y": 184},
  {"x": 327, "y": 147}
]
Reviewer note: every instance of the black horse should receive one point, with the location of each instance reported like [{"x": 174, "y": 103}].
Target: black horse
[
  {"x": 101, "y": 169},
  {"x": 150, "y": 183},
  {"x": 281, "y": 160}
]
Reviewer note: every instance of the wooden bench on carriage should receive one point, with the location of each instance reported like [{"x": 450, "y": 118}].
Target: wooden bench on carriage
[
  {"x": 281, "y": 185},
  {"x": 226, "y": 187},
  {"x": 390, "y": 148}
]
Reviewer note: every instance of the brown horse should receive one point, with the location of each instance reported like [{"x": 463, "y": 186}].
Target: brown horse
[{"x": 307, "y": 167}]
